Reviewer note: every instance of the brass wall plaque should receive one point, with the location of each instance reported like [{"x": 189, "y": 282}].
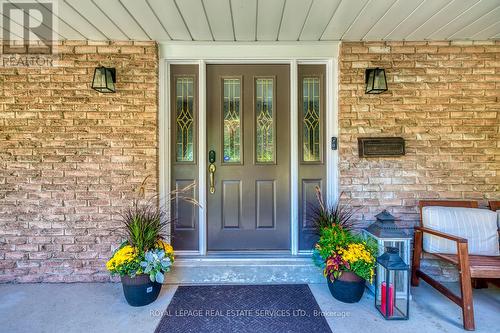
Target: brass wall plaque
[{"x": 381, "y": 147}]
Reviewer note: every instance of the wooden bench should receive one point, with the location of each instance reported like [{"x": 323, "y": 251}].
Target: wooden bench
[
  {"x": 495, "y": 205},
  {"x": 469, "y": 266}
]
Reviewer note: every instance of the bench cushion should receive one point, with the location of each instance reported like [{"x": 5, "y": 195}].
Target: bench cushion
[{"x": 478, "y": 226}]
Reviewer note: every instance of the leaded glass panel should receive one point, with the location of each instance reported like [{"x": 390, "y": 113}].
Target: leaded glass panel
[
  {"x": 184, "y": 119},
  {"x": 264, "y": 114},
  {"x": 232, "y": 121},
  {"x": 311, "y": 117}
]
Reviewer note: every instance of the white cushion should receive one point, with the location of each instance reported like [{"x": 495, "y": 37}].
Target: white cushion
[{"x": 478, "y": 226}]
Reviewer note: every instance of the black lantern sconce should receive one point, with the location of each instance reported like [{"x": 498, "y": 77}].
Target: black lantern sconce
[
  {"x": 104, "y": 80},
  {"x": 375, "y": 80}
]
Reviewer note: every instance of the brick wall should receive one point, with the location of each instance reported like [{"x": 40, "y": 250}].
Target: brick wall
[
  {"x": 71, "y": 158},
  {"x": 444, "y": 100}
]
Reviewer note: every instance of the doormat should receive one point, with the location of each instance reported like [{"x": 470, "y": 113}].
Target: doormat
[{"x": 241, "y": 309}]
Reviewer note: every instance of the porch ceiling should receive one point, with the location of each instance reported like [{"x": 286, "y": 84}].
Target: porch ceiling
[{"x": 277, "y": 20}]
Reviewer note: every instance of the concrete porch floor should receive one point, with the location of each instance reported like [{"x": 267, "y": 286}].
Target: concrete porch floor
[{"x": 101, "y": 307}]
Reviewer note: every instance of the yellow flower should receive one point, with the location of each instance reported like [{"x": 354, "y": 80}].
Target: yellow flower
[
  {"x": 355, "y": 252},
  {"x": 165, "y": 246},
  {"x": 122, "y": 256}
]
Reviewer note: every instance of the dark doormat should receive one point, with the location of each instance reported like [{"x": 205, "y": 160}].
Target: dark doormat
[{"x": 241, "y": 309}]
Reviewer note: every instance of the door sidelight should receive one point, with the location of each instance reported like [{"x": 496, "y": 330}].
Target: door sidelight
[{"x": 211, "y": 170}]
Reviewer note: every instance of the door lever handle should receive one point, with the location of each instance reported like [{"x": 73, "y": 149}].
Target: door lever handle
[{"x": 211, "y": 170}]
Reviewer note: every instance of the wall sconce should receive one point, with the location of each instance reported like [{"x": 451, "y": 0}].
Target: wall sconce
[
  {"x": 104, "y": 80},
  {"x": 375, "y": 80}
]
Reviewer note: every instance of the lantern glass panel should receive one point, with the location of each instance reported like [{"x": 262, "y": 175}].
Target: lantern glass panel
[
  {"x": 99, "y": 78},
  {"x": 369, "y": 80},
  {"x": 104, "y": 80},
  {"x": 379, "y": 80},
  {"x": 391, "y": 300},
  {"x": 110, "y": 84},
  {"x": 404, "y": 247},
  {"x": 376, "y": 81}
]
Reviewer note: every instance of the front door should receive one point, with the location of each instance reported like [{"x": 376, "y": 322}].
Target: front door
[{"x": 248, "y": 146}]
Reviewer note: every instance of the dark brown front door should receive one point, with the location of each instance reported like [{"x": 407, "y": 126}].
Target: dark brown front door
[{"x": 248, "y": 128}]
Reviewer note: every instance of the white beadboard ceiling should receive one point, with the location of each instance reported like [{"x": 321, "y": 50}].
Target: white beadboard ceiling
[{"x": 276, "y": 20}]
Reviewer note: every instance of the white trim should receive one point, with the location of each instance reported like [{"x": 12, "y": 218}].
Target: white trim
[
  {"x": 293, "y": 53},
  {"x": 164, "y": 134},
  {"x": 294, "y": 159},
  {"x": 332, "y": 130},
  {"x": 202, "y": 157},
  {"x": 248, "y": 50}
]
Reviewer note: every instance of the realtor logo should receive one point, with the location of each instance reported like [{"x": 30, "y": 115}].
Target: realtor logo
[{"x": 27, "y": 27}]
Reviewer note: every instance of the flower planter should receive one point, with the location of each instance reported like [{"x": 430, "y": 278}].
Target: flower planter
[
  {"x": 348, "y": 288},
  {"x": 139, "y": 290}
]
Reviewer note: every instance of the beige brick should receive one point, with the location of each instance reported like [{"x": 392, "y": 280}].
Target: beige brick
[
  {"x": 73, "y": 156},
  {"x": 85, "y": 49},
  {"x": 440, "y": 99},
  {"x": 61, "y": 181}
]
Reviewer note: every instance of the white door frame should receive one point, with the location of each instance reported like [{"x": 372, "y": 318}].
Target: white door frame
[{"x": 291, "y": 53}]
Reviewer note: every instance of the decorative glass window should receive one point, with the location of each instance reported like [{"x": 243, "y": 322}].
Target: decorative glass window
[
  {"x": 184, "y": 119},
  {"x": 264, "y": 113},
  {"x": 311, "y": 120},
  {"x": 232, "y": 121}
]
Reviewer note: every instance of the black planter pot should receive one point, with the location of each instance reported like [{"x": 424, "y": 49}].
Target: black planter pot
[
  {"x": 139, "y": 290},
  {"x": 349, "y": 288}
]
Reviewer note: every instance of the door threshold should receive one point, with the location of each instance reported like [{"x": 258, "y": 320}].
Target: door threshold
[
  {"x": 244, "y": 255},
  {"x": 251, "y": 253}
]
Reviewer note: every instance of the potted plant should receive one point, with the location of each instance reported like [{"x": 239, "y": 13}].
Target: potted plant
[
  {"x": 143, "y": 259},
  {"x": 347, "y": 259}
]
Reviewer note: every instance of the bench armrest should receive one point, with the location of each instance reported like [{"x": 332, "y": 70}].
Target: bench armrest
[{"x": 441, "y": 234}]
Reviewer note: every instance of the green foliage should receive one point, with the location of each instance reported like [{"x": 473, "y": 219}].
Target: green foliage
[
  {"x": 333, "y": 238},
  {"x": 125, "y": 261},
  {"x": 339, "y": 250},
  {"x": 131, "y": 268},
  {"x": 156, "y": 263},
  {"x": 362, "y": 268},
  {"x": 144, "y": 230},
  {"x": 324, "y": 216},
  {"x": 145, "y": 225}
]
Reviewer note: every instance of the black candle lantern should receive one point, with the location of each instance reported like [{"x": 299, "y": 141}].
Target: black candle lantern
[
  {"x": 104, "y": 80},
  {"x": 385, "y": 226},
  {"x": 392, "y": 301},
  {"x": 375, "y": 80},
  {"x": 387, "y": 233}
]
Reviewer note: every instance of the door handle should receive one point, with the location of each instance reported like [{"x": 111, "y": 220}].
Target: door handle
[{"x": 211, "y": 170}]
